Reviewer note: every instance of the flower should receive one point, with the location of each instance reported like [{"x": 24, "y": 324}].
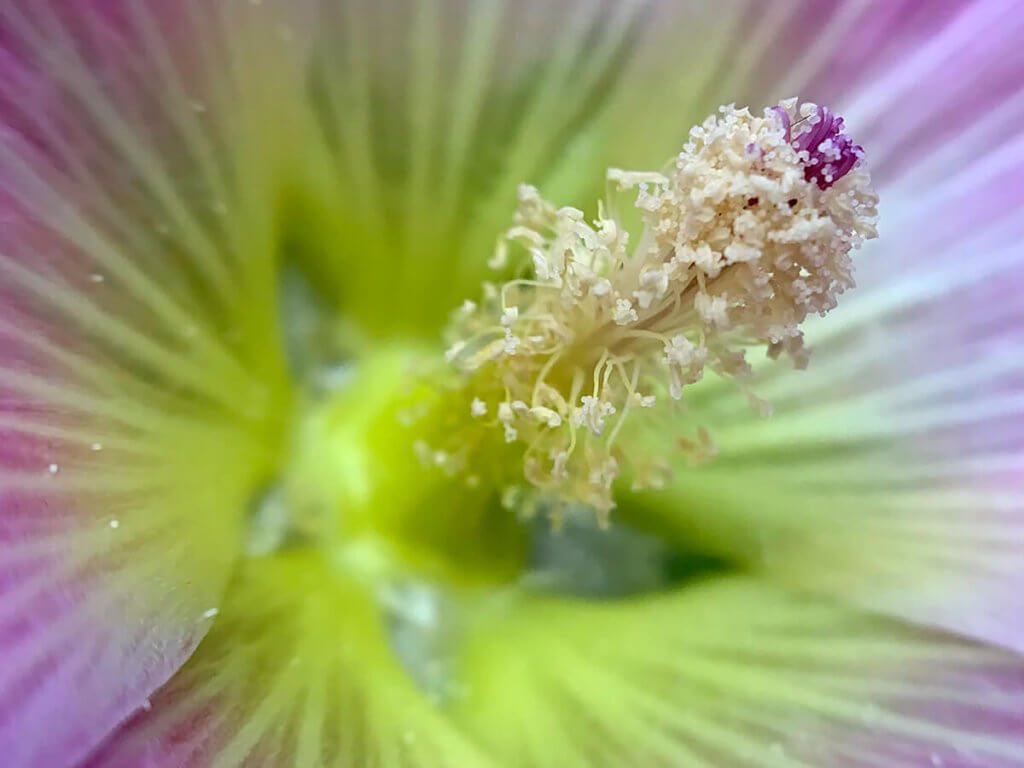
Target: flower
[{"x": 253, "y": 511}]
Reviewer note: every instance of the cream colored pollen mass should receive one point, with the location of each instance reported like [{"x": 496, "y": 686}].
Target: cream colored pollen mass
[{"x": 739, "y": 246}]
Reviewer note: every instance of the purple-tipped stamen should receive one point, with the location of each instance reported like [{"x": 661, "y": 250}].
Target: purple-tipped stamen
[{"x": 831, "y": 153}]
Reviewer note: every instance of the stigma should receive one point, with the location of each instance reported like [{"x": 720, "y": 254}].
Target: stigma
[
  {"x": 826, "y": 150},
  {"x": 748, "y": 232}
]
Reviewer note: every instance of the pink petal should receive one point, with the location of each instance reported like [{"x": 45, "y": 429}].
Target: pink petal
[
  {"x": 123, "y": 475},
  {"x": 101, "y": 596}
]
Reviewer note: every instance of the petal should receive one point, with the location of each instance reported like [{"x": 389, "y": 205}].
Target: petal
[
  {"x": 118, "y": 524},
  {"x": 106, "y": 577},
  {"x": 298, "y": 670},
  {"x": 132, "y": 433},
  {"x": 733, "y": 672}
]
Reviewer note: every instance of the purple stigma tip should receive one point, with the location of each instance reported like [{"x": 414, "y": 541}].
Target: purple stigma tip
[{"x": 831, "y": 152}]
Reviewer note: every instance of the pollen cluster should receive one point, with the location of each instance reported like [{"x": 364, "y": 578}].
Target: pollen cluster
[{"x": 748, "y": 232}]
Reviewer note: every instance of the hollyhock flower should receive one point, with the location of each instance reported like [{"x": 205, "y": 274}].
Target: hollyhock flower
[{"x": 412, "y": 384}]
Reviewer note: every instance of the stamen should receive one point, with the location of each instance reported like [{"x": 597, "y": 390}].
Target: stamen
[{"x": 745, "y": 235}]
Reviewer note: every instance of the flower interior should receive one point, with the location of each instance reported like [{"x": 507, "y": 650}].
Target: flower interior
[
  {"x": 498, "y": 462},
  {"x": 368, "y": 418}
]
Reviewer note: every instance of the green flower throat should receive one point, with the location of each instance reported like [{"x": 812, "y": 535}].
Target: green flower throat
[{"x": 500, "y": 461}]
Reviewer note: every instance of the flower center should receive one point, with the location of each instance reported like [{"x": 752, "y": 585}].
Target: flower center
[
  {"x": 352, "y": 485},
  {"x": 434, "y": 478}
]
